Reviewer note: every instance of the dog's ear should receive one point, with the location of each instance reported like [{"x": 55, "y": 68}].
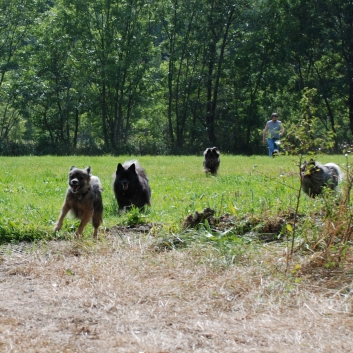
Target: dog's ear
[
  {"x": 73, "y": 167},
  {"x": 208, "y": 152},
  {"x": 132, "y": 168},
  {"x": 88, "y": 170},
  {"x": 119, "y": 168}
]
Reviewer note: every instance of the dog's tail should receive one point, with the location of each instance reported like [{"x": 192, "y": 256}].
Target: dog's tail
[
  {"x": 337, "y": 169},
  {"x": 96, "y": 183}
]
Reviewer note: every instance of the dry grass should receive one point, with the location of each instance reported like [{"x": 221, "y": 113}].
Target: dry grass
[{"x": 119, "y": 295}]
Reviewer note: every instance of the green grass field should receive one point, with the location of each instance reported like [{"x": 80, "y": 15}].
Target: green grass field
[{"x": 32, "y": 190}]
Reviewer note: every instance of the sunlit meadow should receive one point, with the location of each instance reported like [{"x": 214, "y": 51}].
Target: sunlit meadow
[{"x": 32, "y": 190}]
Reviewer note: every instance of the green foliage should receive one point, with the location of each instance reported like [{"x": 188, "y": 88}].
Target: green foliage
[
  {"x": 13, "y": 231},
  {"x": 135, "y": 216},
  {"x": 307, "y": 135},
  {"x": 82, "y": 77}
]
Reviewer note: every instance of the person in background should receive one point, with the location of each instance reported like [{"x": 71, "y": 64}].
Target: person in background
[{"x": 274, "y": 130}]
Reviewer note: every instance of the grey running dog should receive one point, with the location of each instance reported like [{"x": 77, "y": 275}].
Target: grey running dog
[{"x": 316, "y": 176}]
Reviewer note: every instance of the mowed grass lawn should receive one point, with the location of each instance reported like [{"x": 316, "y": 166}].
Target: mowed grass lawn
[{"x": 32, "y": 190}]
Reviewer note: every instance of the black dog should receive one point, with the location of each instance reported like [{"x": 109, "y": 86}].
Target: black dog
[
  {"x": 131, "y": 187},
  {"x": 83, "y": 199},
  {"x": 316, "y": 176},
  {"x": 211, "y": 160}
]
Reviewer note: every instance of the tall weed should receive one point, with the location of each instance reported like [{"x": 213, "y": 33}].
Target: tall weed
[{"x": 328, "y": 227}]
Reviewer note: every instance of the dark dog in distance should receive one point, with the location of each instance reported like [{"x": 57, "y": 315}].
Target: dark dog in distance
[
  {"x": 83, "y": 199},
  {"x": 131, "y": 187},
  {"x": 275, "y": 153},
  {"x": 211, "y": 160},
  {"x": 316, "y": 176}
]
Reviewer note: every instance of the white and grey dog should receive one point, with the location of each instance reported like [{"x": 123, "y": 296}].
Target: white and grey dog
[{"x": 316, "y": 176}]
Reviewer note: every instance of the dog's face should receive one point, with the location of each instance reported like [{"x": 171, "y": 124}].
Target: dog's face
[
  {"x": 126, "y": 177},
  {"x": 308, "y": 169},
  {"x": 79, "y": 179},
  {"x": 211, "y": 153}
]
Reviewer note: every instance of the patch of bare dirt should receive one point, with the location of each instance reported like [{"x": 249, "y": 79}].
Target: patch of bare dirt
[{"x": 119, "y": 295}]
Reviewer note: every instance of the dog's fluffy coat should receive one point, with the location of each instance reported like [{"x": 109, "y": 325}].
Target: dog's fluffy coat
[
  {"x": 316, "y": 176},
  {"x": 83, "y": 199},
  {"x": 131, "y": 186},
  {"x": 211, "y": 160}
]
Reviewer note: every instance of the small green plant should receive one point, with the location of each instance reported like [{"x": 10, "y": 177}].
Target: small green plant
[
  {"x": 309, "y": 138},
  {"x": 305, "y": 137},
  {"x": 135, "y": 216}
]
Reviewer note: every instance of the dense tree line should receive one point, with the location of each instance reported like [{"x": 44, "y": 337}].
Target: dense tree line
[{"x": 169, "y": 76}]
